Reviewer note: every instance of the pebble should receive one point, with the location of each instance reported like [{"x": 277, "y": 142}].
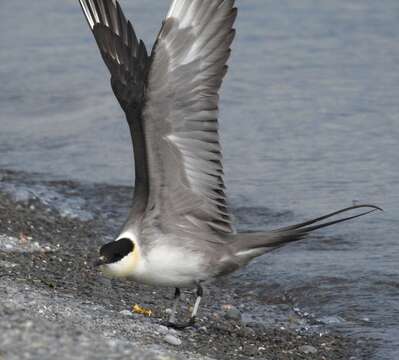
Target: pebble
[
  {"x": 232, "y": 313},
  {"x": 308, "y": 349},
  {"x": 172, "y": 331},
  {"x": 7, "y": 264},
  {"x": 163, "y": 329},
  {"x": 172, "y": 340},
  {"x": 126, "y": 313},
  {"x": 28, "y": 325}
]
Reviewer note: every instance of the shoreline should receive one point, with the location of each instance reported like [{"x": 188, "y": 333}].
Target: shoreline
[{"x": 56, "y": 303}]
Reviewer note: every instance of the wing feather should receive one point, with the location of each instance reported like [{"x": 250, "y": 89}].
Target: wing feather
[
  {"x": 171, "y": 102},
  {"x": 186, "y": 188},
  {"x": 127, "y": 60}
]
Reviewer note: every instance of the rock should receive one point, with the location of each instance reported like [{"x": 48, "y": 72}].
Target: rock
[
  {"x": 172, "y": 331},
  {"x": 172, "y": 340},
  {"x": 126, "y": 313},
  {"x": 232, "y": 313},
  {"x": 28, "y": 325},
  {"x": 203, "y": 329},
  {"x": 308, "y": 349},
  {"x": 163, "y": 329}
]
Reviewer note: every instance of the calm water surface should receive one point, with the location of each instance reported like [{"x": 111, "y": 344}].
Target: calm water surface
[{"x": 309, "y": 123}]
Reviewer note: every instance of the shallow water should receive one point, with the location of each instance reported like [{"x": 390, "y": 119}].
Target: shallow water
[{"x": 309, "y": 124}]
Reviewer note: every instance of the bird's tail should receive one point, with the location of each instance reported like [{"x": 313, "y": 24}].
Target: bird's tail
[{"x": 249, "y": 245}]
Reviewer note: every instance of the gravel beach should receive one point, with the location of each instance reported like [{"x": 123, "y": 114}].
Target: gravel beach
[{"x": 53, "y": 303}]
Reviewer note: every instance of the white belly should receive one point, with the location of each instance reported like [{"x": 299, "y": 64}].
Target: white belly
[{"x": 169, "y": 266}]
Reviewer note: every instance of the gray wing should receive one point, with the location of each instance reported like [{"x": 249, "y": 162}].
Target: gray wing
[
  {"x": 180, "y": 115},
  {"x": 127, "y": 61}
]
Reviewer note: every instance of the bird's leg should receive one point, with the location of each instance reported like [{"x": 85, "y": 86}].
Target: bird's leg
[
  {"x": 191, "y": 322},
  {"x": 200, "y": 294},
  {"x": 172, "y": 318}
]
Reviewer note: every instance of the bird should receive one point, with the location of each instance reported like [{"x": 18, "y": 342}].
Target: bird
[{"x": 179, "y": 232}]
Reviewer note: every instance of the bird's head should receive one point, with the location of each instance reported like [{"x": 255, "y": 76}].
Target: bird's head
[{"x": 118, "y": 258}]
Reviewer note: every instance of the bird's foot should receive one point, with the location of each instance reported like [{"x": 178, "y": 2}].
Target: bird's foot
[{"x": 180, "y": 326}]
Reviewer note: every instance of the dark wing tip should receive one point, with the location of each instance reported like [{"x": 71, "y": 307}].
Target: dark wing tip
[{"x": 88, "y": 12}]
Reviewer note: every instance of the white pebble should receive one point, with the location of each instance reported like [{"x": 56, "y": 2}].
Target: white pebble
[
  {"x": 172, "y": 340},
  {"x": 126, "y": 313},
  {"x": 172, "y": 331},
  {"x": 163, "y": 330}
]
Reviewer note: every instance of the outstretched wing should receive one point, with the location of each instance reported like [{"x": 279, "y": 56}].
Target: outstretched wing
[
  {"x": 188, "y": 63},
  {"x": 127, "y": 60}
]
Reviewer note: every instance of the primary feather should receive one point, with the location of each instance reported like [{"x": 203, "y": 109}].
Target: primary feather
[{"x": 127, "y": 60}]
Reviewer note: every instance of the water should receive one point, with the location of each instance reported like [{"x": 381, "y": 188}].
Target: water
[{"x": 309, "y": 123}]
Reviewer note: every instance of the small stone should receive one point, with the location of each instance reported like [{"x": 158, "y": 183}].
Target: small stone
[
  {"x": 172, "y": 340},
  {"x": 7, "y": 264},
  {"x": 172, "y": 331},
  {"x": 163, "y": 330},
  {"x": 216, "y": 316},
  {"x": 28, "y": 324},
  {"x": 232, "y": 313},
  {"x": 126, "y": 313},
  {"x": 308, "y": 349}
]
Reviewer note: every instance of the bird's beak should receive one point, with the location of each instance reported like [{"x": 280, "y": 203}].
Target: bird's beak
[{"x": 101, "y": 261}]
